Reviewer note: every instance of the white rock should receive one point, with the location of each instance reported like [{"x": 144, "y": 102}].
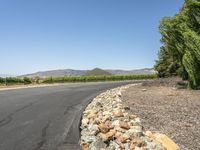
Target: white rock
[
  {"x": 85, "y": 121},
  {"x": 116, "y": 123}
]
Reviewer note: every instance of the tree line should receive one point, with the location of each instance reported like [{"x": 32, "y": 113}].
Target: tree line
[{"x": 180, "y": 50}]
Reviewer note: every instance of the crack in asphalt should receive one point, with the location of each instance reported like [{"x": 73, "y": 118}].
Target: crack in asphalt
[
  {"x": 70, "y": 108},
  {"x": 24, "y": 107},
  {"x": 6, "y": 120},
  {"x": 43, "y": 136}
]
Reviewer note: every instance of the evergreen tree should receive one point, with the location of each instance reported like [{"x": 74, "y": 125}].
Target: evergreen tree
[{"x": 180, "y": 53}]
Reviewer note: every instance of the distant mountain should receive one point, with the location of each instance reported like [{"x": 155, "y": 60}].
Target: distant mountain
[
  {"x": 5, "y": 75},
  {"x": 96, "y": 71},
  {"x": 54, "y": 73},
  {"x": 136, "y": 71}
]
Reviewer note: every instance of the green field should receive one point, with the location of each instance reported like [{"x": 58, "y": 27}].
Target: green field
[
  {"x": 97, "y": 78},
  {"x": 68, "y": 79}
]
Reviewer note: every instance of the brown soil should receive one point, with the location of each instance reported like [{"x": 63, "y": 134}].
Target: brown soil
[{"x": 170, "y": 110}]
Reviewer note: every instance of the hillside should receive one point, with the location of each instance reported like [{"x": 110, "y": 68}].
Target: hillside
[
  {"x": 55, "y": 73},
  {"x": 71, "y": 72},
  {"x": 97, "y": 72},
  {"x": 5, "y": 75},
  {"x": 136, "y": 71}
]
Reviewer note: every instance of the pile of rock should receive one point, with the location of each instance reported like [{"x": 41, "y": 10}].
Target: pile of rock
[{"x": 108, "y": 125}]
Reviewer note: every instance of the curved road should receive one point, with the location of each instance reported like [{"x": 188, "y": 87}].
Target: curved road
[{"x": 45, "y": 118}]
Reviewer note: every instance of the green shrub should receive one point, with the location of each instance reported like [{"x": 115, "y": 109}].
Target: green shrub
[
  {"x": 13, "y": 80},
  {"x": 36, "y": 80},
  {"x": 2, "y": 80},
  {"x": 27, "y": 80}
]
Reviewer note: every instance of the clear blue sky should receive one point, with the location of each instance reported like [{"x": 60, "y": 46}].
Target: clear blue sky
[{"x": 40, "y": 35}]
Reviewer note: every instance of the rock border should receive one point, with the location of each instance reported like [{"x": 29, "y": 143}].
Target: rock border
[{"x": 108, "y": 125}]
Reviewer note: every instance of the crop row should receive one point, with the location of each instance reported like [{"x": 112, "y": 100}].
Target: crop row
[
  {"x": 97, "y": 78},
  {"x": 15, "y": 80}
]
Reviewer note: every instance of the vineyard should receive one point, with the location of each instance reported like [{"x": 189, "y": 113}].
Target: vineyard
[
  {"x": 97, "y": 78},
  {"x": 68, "y": 79},
  {"x": 11, "y": 80}
]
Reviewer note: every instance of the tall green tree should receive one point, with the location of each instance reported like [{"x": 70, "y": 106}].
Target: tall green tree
[{"x": 180, "y": 53}]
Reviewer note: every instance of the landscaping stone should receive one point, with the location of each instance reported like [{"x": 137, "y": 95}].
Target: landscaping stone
[{"x": 108, "y": 125}]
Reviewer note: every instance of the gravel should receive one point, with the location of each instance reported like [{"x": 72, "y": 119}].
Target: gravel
[{"x": 168, "y": 108}]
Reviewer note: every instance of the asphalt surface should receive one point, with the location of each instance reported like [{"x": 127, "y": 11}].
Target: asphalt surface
[{"x": 45, "y": 118}]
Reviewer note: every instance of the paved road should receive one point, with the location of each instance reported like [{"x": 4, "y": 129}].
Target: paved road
[{"x": 45, "y": 118}]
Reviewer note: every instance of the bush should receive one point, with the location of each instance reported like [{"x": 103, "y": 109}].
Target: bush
[
  {"x": 13, "y": 80},
  {"x": 2, "y": 80},
  {"x": 27, "y": 80},
  {"x": 36, "y": 80}
]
